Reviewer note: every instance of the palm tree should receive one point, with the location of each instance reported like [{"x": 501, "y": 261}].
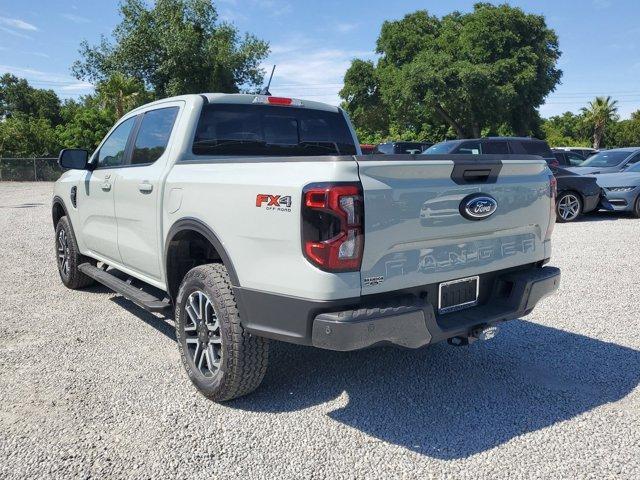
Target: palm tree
[
  {"x": 600, "y": 112},
  {"x": 120, "y": 93}
]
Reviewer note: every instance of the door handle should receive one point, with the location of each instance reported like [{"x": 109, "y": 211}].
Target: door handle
[
  {"x": 106, "y": 186},
  {"x": 145, "y": 187}
]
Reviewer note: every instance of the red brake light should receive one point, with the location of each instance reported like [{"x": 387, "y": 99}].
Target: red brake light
[
  {"x": 332, "y": 226},
  {"x": 279, "y": 101}
]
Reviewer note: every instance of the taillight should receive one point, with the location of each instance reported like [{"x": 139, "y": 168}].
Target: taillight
[
  {"x": 553, "y": 192},
  {"x": 332, "y": 226}
]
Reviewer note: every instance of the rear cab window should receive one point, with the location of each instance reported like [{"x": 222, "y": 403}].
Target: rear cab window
[{"x": 268, "y": 130}]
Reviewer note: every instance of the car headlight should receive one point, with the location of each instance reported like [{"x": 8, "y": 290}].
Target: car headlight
[{"x": 620, "y": 189}]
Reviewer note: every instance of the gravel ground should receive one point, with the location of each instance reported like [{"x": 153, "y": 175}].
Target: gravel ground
[{"x": 92, "y": 386}]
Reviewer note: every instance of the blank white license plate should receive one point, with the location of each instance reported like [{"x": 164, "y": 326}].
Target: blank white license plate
[{"x": 458, "y": 294}]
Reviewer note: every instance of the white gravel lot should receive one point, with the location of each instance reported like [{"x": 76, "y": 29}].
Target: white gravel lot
[{"x": 92, "y": 386}]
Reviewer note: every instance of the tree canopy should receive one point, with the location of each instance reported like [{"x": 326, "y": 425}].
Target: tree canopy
[
  {"x": 175, "y": 47},
  {"x": 486, "y": 71}
]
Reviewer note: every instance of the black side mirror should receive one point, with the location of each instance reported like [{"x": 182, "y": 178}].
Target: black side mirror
[{"x": 73, "y": 158}]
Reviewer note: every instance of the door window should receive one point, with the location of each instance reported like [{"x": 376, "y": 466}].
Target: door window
[
  {"x": 495, "y": 147},
  {"x": 574, "y": 159},
  {"x": 153, "y": 135},
  {"x": 112, "y": 152},
  {"x": 469, "y": 148},
  {"x": 634, "y": 159}
]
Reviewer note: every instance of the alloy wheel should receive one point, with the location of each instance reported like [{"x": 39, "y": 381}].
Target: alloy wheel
[
  {"x": 63, "y": 252},
  {"x": 569, "y": 207},
  {"x": 202, "y": 334}
]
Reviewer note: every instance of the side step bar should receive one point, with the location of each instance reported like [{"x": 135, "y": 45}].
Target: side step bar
[{"x": 140, "y": 298}]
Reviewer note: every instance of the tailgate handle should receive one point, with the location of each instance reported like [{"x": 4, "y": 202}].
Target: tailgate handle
[
  {"x": 476, "y": 176},
  {"x": 476, "y": 171}
]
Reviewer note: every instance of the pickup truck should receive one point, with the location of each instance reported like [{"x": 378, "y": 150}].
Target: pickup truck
[{"x": 255, "y": 217}]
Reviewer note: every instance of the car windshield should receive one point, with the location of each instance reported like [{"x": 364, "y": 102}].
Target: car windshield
[
  {"x": 268, "y": 130},
  {"x": 439, "y": 148},
  {"x": 605, "y": 159}
]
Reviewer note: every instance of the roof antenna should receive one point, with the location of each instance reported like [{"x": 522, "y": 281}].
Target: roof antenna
[{"x": 265, "y": 90}]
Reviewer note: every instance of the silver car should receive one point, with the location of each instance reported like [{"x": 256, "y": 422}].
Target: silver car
[
  {"x": 622, "y": 189},
  {"x": 608, "y": 161}
]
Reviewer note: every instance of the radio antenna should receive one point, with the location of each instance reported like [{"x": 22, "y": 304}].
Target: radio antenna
[{"x": 265, "y": 90}]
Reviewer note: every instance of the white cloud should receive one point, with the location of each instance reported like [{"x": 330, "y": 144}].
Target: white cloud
[
  {"x": 75, "y": 18},
  {"x": 14, "y": 33},
  {"x": 306, "y": 71},
  {"x": 17, "y": 23},
  {"x": 346, "y": 27},
  {"x": 72, "y": 87}
]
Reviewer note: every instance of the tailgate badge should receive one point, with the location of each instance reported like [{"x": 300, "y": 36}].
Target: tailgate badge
[{"x": 478, "y": 206}]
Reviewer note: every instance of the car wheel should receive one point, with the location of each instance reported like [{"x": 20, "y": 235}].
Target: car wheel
[
  {"x": 568, "y": 207},
  {"x": 68, "y": 257},
  {"x": 222, "y": 360},
  {"x": 636, "y": 208}
]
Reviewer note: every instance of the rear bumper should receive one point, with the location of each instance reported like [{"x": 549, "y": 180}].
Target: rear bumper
[{"x": 402, "y": 319}]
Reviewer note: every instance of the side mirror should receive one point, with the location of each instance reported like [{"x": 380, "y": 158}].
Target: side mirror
[{"x": 73, "y": 158}]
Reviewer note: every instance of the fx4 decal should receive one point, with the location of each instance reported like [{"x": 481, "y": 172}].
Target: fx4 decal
[{"x": 274, "y": 202}]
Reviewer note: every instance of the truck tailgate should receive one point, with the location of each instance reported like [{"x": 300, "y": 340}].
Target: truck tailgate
[{"x": 416, "y": 234}]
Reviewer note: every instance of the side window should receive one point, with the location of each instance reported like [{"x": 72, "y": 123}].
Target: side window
[
  {"x": 574, "y": 158},
  {"x": 153, "y": 135},
  {"x": 495, "y": 147},
  {"x": 469, "y": 148},
  {"x": 634, "y": 159},
  {"x": 112, "y": 152}
]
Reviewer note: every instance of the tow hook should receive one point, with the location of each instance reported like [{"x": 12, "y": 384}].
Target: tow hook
[{"x": 480, "y": 333}]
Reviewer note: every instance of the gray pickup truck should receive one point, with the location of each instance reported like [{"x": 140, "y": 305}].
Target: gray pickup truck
[{"x": 256, "y": 217}]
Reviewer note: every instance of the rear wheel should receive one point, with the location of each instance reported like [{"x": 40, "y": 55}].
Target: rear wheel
[
  {"x": 568, "y": 207},
  {"x": 68, "y": 257},
  {"x": 222, "y": 360}
]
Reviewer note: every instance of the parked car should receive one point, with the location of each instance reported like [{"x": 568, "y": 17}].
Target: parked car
[
  {"x": 586, "y": 152},
  {"x": 496, "y": 145},
  {"x": 577, "y": 194},
  {"x": 622, "y": 189},
  {"x": 245, "y": 214},
  {"x": 390, "y": 148},
  {"x": 608, "y": 161},
  {"x": 567, "y": 158}
]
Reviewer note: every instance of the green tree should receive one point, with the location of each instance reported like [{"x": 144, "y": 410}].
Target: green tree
[
  {"x": 567, "y": 129},
  {"x": 85, "y": 128},
  {"x": 175, "y": 47},
  {"x": 599, "y": 114},
  {"x": 26, "y": 136},
  {"x": 120, "y": 94},
  {"x": 17, "y": 96},
  {"x": 487, "y": 70}
]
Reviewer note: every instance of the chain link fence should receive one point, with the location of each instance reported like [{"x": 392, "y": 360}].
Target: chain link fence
[{"x": 29, "y": 169}]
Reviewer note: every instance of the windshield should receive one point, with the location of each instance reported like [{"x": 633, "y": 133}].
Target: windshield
[
  {"x": 267, "y": 130},
  {"x": 605, "y": 159},
  {"x": 440, "y": 148}
]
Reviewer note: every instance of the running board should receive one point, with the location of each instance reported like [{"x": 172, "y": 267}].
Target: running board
[{"x": 128, "y": 291}]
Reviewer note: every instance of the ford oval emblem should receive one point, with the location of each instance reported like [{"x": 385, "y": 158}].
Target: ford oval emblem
[{"x": 478, "y": 206}]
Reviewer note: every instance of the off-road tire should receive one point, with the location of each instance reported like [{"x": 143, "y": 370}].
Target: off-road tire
[
  {"x": 242, "y": 357},
  {"x": 70, "y": 275}
]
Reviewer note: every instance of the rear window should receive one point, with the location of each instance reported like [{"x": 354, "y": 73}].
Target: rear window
[
  {"x": 536, "y": 148},
  {"x": 267, "y": 130}
]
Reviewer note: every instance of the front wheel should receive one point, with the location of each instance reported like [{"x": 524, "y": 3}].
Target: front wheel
[
  {"x": 568, "y": 207},
  {"x": 636, "y": 208},
  {"x": 222, "y": 360},
  {"x": 69, "y": 258}
]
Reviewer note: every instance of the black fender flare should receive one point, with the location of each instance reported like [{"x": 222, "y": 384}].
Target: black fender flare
[
  {"x": 189, "y": 223},
  {"x": 58, "y": 201}
]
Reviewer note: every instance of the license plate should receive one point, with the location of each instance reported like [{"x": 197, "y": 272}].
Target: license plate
[{"x": 458, "y": 294}]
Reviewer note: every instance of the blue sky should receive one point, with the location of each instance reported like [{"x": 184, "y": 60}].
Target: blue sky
[{"x": 312, "y": 42}]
